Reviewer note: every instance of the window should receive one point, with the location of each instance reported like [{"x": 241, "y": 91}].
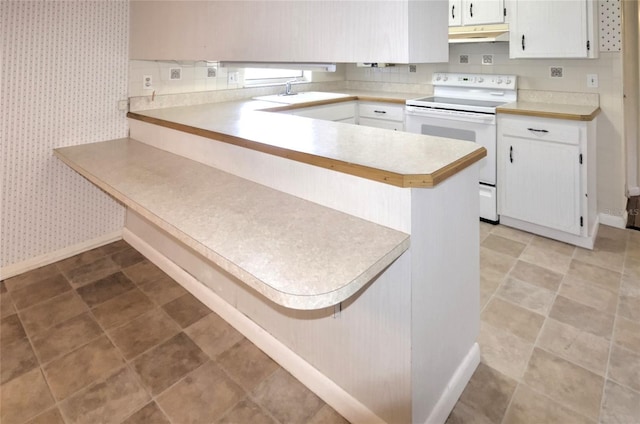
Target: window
[{"x": 255, "y": 76}]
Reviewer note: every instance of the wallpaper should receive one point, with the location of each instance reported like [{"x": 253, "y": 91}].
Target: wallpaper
[
  {"x": 64, "y": 68},
  {"x": 610, "y": 21}
]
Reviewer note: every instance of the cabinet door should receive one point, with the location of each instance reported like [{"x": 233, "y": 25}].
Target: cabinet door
[
  {"x": 455, "y": 12},
  {"x": 477, "y": 12},
  {"x": 540, "y": 183},
  {"x": 548, "y": 28}
]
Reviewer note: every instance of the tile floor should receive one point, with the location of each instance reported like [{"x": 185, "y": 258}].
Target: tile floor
[{"x": 106, "y": 337}]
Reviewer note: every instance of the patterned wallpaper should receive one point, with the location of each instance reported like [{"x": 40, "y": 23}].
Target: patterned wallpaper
[
  {"x": 610, "y": 27},
  {"x": 64, "y": 67}
]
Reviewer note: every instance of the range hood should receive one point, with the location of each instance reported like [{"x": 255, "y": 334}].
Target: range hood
[{"x": 479, "y": 33}]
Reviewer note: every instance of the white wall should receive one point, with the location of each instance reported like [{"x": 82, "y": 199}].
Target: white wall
[{"x": 64, "y": 67}]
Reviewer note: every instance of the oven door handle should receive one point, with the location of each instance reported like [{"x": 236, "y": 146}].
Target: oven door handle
[{"x": 479, "y": 118}]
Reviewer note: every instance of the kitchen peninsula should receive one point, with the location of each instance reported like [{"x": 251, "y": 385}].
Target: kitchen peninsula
[{"x": 349, "y": 254}]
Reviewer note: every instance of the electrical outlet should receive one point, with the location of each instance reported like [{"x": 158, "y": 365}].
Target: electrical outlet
[
  {"x": 147, "y": 82},
  {"x": 412, "y": 68},
  {"x": 487, "y": 59},
  {"x": 463, "y": 58},
  {"x": 233, "y": 77},
  {"x": 592, "y": 80},
  {"x": 211, "y": 72},
  {"x": 556, "y": 71},
  {"x": 175, "y": 73}
]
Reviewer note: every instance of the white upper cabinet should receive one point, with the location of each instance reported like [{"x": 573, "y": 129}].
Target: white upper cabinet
[
  {"x": 394, "y": 31},
  {"x": 475, "y": 12},
  {"x": 553, "y": 29}
]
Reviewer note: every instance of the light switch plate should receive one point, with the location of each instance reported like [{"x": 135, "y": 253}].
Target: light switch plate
[{"x": 592, "y": 80}]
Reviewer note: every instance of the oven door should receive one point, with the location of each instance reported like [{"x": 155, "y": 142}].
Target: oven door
[{"x": 476, "y": 127}]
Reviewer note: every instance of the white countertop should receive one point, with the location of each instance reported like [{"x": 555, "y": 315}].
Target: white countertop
[
  {"x": 551, "y": 110},
  {"x": 398, "y": 158},
  {"x": 295, "y": 252}
]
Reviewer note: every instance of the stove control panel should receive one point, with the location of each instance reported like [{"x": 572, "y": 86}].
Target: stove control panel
[{"x": 504, "y": 82}]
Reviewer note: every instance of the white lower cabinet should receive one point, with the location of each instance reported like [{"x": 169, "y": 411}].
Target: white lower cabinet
[
  {"x": 546, "y": 175},
  {"x": 381, "y": 115},
  {"x": 339, "y": 112}
]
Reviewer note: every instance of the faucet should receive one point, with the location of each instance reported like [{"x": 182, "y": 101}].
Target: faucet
[{"x": 287, "y": 88}]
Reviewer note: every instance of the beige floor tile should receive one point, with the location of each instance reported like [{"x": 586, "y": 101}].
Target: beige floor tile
[
  {"x": 114, "y": 247},
  {"x": 627, "y": 334},
  {"x": 490, "y": 280},
  {"x": 287, "y": 399},
  {"x": 577, "y": 346},
  {"x": 11, "y": 329},
  {"x": 630, "y": 286},
  {"x": 143, "y": 333},
  {"x": 620, "y": 406},
  {"x": 105, "y": 289},
  {"x": 606, "y": 278},
  {"x": 463, "y": 414},
  {"x": 46, "y": 289},
  {"x": 186, "y": 310},
  {"x": 531, "y": 407},
  {"x": 607, "y": 231},
  {"x": 629, "y": 307},
  {"x": 569, "y": 384},
  {"x": 158, "y": 368},
  {"x": 6, "y": 306},
  {"x": 485, "y": 230},
  {"x": 537, "y": 275},
  {"x": 632, "y": 267},
  {"x": 527, "y": 295},
  {"x": 150, "y": 414},
  {"x": 509, "y": 317},
  {"x": 127, "y": 257},
  {"x": 589, "y": 293},
  {"x": 122, "y": 309},
  {"x": 607, "y": 253},
  {"x": 30, "y": 277},
  {"x": 107, "y": 402},
  {"x": 24, "y": 398},
  {"x": 512, "y": 233},
  {"x": 213, "y": 334},
  {"x": 247, "y": 411},
  {"x": 582, "y": 317},
  {"x": 328, "y": 415},
  {"x": 503, "y": 351},
  {"x": 16, "y": 358},
  {"x": 52, "y": 416},
  {"x": 81, "y": 367},
  {"x": 246, "y": 364},
  {"x": 65, "y": 337},
  {"x": 503, "y": 245},
  {"x": 91, "y": 272},
  {"x": 546, "y": 258},
  {"x": 488, "y": 393},
  {"x": 490, "y": 259},
  {"x": 202, "y": 397},
  {"x": 143, "y": 272},
  {"x": 162, "y": 290},
  {"x": 624, "y": 367},
  {"x": 52, "y": 312},
  {"x": 553, "y": 245}
]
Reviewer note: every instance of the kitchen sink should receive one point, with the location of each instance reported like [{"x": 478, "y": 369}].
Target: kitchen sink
[{"x": 302, "y": 97}]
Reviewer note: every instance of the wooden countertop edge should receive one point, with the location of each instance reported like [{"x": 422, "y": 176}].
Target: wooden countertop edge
[
  {"x": 547, "y": 114},
  {"x": 374, "y": 174},
  {"x": 334, "y": 101}
]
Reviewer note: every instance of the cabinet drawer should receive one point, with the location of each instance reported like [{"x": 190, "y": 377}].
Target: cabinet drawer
[
  {"x": 566, "y": 132},
  {"x": 382, "y": 123},
  {"x": 381, "y": 111}
]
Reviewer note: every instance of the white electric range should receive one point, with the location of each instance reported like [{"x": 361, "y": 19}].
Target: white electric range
[{"x": 463, "y": 107}]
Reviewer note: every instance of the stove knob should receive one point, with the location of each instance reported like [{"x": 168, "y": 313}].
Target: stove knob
[
  {"x": 508, "y": 81},
  {"x": 499, "y": 81},
  {"x": 444, "y": 78},
  {"x": 438, "y": 77},
  {"x": 480, "y": 79}
]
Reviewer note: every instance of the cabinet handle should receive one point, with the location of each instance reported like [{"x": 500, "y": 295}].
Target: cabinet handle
[
  {"x": 522, "y": 41},
  {"x": 453, "y": 11},
  {"x": 471, "y": 10},
  {"x": 536, "y": 130},
  {"x": 380, "y": 111},
  {"x": 511, "y": 154}
]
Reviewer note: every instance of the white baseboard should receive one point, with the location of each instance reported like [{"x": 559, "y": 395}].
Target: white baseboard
[
  {"x": 345, "y": 404},
  {"x": 613, "y": 220},
  {"x": 633, "y": 191},
  {"x": 58, "y": 255},
  {"x": 455, "y": 387}
]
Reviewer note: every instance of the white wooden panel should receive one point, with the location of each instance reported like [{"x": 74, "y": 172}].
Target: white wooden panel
[
  {"x": 477, "y": 12},
  {"x": 455, "y": 12},
  {"x": 380, "y": 203},
  {"x": 550, "y": 29},
  {"x": 542, "y": 184},
  {"x": 381, "y": 123},
  {"x": 543, "y": 129},
  {"x": 381, "y": 111}
]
